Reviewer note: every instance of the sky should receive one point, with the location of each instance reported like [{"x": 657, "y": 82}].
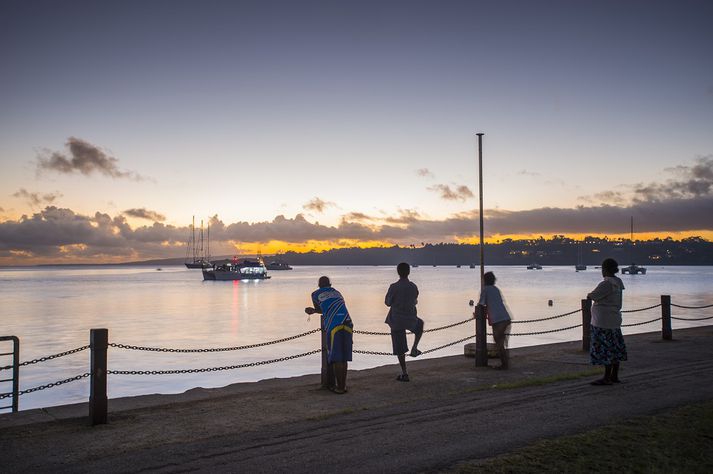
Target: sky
[{"x": 314, "y": 125}]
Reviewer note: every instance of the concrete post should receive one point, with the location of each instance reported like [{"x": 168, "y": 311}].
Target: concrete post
[
  {"x": 666, "y": 330},
  {"x": 586, "y": 323},
  {"x": 481, "y": 345},
  {"x": 98, "y": 344}
]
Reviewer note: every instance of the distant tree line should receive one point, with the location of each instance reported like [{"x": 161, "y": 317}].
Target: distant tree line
[{"x": 559, "y": 250}]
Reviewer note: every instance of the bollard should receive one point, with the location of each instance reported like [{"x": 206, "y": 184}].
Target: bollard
[
  {"x": 586, "y": 323},
  {"x": 481, "y": 345},
  {"x": 98, "y": 344},
  {"x": 666, "y": 331},
  {"x": 327, "y": 371}
]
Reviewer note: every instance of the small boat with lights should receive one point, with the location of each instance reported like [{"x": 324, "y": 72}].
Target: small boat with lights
[
  {"x": 246, "y": 269},
  {"x": 278, "y": 265},
  {"x": 534, "y": 266}
]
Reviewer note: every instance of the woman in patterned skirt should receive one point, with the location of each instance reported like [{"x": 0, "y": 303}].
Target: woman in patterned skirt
[{"x": 607, "y": 345}]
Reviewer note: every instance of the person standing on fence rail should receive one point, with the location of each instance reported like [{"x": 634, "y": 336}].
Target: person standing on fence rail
[
  {"x": 338, "y": 327},
  {"x": 498, "y": 317},
  {"x": 401, "y": 298},
  {"x": 607, "y": 345}
]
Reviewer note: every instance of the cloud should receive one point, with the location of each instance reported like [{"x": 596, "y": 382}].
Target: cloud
[
  {"x": 606, "y": 197},
  {"x": 84, "y": 158},
  {"x": 688, "y": 181},
  {"x": 459, "y": 193},
  {"x": 56, "y": 234},
  {"x": 528, "y": 173},
  {"x": 318, "y": 205},
  {"x": 36, "y": 199},
  {"x": 425, "y": 173},
  {"x": 144, "y": 213},
  {"x": 357, "y": 216}
]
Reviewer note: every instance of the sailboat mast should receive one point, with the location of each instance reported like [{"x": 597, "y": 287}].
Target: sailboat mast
[
  {"x": 201, "y": 251},
  {"x": 193, "y": 238},
  {"x": 207, "y": 251}
]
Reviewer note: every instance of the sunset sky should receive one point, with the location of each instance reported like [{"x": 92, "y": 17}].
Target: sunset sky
[{"x": 301, "y": 125}]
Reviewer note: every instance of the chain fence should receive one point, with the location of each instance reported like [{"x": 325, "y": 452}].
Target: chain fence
[
  {"x": 692, "y": 307},
  {"x": 46, "y": 386},
  {"x": 691, "y": 319},
  {"x": 46, "y": 358},
  {"x": 212, "y": 349},
  {"x": 305, "y": 354},
  {"x": 211, "y": 369},
  {"x": 546, "y": 319},
  {"x": 640, "y": 309}
]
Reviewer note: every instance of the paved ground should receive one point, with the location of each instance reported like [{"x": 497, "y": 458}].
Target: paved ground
[{"x": 449, "y": 412}]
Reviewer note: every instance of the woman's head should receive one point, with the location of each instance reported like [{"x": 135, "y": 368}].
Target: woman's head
[
  {"x": 489, "y": 278},
  {"x": 610, "y": 267}
]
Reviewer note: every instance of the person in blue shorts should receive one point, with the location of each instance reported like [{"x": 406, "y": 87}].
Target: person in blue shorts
[
  {"x": 402, "y": 298},
  {"x": 337, "y": 324}
]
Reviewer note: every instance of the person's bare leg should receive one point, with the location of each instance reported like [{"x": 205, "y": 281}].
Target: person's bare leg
[
  {"x": 499, "y": 336},
  {"x": 414, "y": 349},
  {"x": 340, "y": 372},
  {"x": 402, "y": 363},
  {"x": 615, "y": 372}
]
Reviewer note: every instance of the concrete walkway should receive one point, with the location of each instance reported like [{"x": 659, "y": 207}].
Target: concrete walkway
[{"x": 449, "y": 412}]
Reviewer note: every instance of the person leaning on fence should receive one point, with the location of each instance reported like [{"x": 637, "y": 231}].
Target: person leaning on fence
[
  {"x": 402, "y": 298},
  {"x": 607, "y": 345},
  {"x": 338, "y": 326},
  {"x": 498, "y": 317}
]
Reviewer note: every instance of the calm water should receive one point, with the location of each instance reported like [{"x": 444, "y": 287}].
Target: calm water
[{"x": 52, "y": 310}]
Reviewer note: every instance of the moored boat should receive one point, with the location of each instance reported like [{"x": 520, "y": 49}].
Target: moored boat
[
  {"x": 246, "y": 269},
  {"x": 534, "y": 266},
  {"x": 277, "y": 265}
]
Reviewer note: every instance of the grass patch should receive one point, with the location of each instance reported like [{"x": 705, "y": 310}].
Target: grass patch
[
  {"x": 535, "y": 381},
  {"x": 676, "y": 442}
]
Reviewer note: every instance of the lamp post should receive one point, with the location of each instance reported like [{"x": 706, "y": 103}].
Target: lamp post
[{"x": 481, "y": 347}]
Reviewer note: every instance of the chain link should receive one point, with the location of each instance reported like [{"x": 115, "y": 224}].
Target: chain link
[
  {"x": 210, "y": 369},
  {"x": 537, "y": 333},
  {"x": 691, "y": 307},
  {"x": 448, "y": 345},
  {"x": 213, "y": 349},
  {"x": 46, "y": 386},
  {"x": 641, "y": 323},
  {"x": 640, "y": 309},
  {"x": 691, "y": 319},
  {"x": 49, "y": 357},
  {"x": 546, "y": 319},
  {"x": 377, "y": 333}
]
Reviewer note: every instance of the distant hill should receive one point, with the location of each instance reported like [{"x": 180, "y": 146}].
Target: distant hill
[{"x": 559, "y": 250}]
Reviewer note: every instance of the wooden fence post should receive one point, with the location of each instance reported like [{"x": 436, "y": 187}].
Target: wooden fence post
[
  {"x": 327, "y": 371},
  {"x": 586, "y": 323},
  {"x": 666, "y": 330},
  {"x": 98, "y": 344},
  {"x": 481, "y": 344}
]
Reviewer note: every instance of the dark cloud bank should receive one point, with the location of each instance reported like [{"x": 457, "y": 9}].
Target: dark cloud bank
[
  {"x": 683, "y": 203},
  {"x": 56, "y": 233}
]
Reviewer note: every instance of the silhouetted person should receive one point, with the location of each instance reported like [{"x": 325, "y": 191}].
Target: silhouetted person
[
  {"x": 402, "y": 299},
  {"x": 338, "y": 328},
  {"x": 607, "y": 345},
  {"x": 498, "y": 317}
]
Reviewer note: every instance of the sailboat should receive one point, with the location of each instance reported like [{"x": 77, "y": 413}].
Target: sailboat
[
  {"x": 198, "y": 255},
  {"x": 580, "y": 266},
  {"x": 633, "y": 269}
]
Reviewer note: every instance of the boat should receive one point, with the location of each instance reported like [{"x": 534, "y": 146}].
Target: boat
[
  {"x": 472, "y": 265},
  {"x": 457, "y": 266},
  {"x": 633, "y": 269},
  {"x": 277, "y": 265},
  {"x": 246, "y": 269},
  {"x": 198, "y": 255},
  {"x": 579, "y": 266},
  {"x": 534, "y": 266}
]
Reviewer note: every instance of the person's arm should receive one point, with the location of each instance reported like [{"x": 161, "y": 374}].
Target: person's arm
[
  {"x": 389, "y": 299},
  {"x": 483, "y": 301},
  {"x": 317, "y": 308},
  {"x": 601, "y": 291}
]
